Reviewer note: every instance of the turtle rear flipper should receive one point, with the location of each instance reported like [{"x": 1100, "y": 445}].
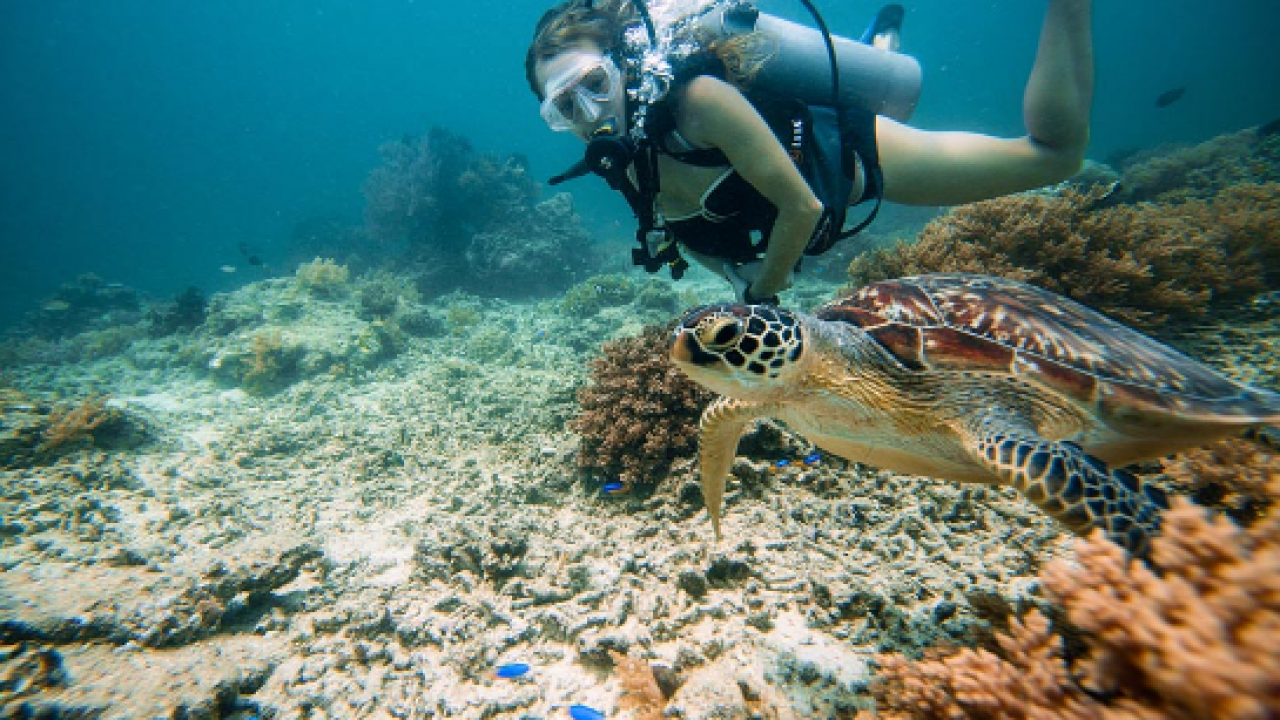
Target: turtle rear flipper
[{"x": 1077, "y": 489}]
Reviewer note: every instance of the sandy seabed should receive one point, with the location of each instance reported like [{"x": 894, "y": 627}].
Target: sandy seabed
[{"x": 374, "y": 544}]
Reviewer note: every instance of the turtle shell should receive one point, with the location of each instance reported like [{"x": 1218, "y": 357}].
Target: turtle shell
[{"x": 967, "y": 323}]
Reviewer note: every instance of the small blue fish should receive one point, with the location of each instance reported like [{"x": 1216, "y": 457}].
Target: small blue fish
[
  {"x": 582, "y": 712},
  {"x": 782, "y": 463},
  {"x": 613, "y": 487},
  {"x": 511, "y": 670},
  {"x": 813, "y": 459}
]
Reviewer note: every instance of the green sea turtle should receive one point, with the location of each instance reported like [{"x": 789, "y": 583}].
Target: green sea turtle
[{"x": 967, "y": 378}]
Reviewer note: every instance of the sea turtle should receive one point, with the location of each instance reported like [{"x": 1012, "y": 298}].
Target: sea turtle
[{"x": 967, "y": 378}]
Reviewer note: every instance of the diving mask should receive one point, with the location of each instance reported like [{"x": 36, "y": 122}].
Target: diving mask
[{"x": 586, "y": 94}]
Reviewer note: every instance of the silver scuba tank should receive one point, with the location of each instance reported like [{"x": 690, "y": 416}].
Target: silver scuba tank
[{"x": 879, "y": 81}]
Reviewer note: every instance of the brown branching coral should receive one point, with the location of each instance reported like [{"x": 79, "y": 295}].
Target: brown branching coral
[
  {"x": 70, "y": 425},
  {"x": 323, "y": 277},
  {"x": 1029, "y": 679},
  {"x": 1202, "y": 170},
  {"x": 1199, "y": 640},
  {"x": 1230, "y": 475},
  {"x": 1196, "y": 641},
  {"x": 268, "y": 363},
  {"x": 1143, "y": 264},
  {"x": 639, "y": 414}
]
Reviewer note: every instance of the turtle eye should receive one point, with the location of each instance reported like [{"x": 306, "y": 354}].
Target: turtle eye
[{"x": 722, "y": 334}]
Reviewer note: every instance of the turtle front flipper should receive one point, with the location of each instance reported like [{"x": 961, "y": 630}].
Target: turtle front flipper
[
  {"x": 721, "y": 425},
  {"x": 1075, "y": 488}
]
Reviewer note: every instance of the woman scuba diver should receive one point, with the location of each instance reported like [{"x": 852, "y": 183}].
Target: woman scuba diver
[{"x": 745, "y": 190}]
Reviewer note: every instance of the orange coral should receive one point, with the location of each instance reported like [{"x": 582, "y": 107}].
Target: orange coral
[
  {"x": 268, "y": 363},
  {"x": 1143, "y": 264},
  {"x": 1030, "y": 680},
  {"x": 1197, "y": 641},
  {"x": 640, "y": 689},
  {"x": 70, "y": 425},
  {"x": 1230, "y": 475},
  {"x": 639, "y": 414}
]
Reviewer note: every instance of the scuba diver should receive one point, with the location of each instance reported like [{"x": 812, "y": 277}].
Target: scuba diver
[{"x": 738, "y": 142}]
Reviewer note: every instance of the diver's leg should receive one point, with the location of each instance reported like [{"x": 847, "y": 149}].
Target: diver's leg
[
  {"x": 948, "y": 168},
  {"x": 1059, "y": 93}
]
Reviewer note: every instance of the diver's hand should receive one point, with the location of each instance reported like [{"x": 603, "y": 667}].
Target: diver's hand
[{"x": 743, "y": 276}]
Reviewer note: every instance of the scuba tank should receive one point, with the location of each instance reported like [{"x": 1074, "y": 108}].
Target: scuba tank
[{"x": 879, "y": 81}]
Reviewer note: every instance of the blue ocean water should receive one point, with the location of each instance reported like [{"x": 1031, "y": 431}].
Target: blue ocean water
[{"x": 145, "y": 140}]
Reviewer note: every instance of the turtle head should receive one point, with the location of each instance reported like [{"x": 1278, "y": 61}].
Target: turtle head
[{"x": 739, "y": 350}]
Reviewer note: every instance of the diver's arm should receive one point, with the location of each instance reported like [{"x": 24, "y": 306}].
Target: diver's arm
[
  {"x": 945, "y": 168},
  {"x": 715, "y": 114}
]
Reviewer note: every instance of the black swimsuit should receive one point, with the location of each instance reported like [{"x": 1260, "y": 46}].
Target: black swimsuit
[{"x": 734, "y": 220}]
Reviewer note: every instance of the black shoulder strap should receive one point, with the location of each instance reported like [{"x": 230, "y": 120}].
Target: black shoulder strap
[
  {"x": 859, "y": 135},
  {"x": 873, "y": 177},
  {"x": 857, "y": 143}
]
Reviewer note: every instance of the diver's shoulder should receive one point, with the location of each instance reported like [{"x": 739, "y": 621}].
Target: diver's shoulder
[
  {"x": 705, "y": 90},
  {"x": 704, "y": 97}
]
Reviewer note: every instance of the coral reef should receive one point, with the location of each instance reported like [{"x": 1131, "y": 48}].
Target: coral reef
[
  {"x": 187, "y": 312},
  {"x": 1201, "y": 171},
  {"x": 382, "y": 296},
  {"x": 1147, "y": 265},
  {"x": 439, "y": 478},
  {"x": 639, "y": 414},
  {"x": 601, "y": 291},
  {"x": 271, "y": 334},
  {"x": 269, "y": 364},
  {"x": 71, "y": 424},
  {"x": 473, "y": 220},
  {"x": 457, "y": 535},
  {"x": 1229, "y": 475},
  {"x": 39, "y": 432},
  {"x": 1194, "y": 640},
  {"x": 88, "y": 302},
  {"x": 322, "y": 277}
]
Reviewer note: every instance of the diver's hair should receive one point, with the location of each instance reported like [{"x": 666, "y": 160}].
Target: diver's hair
[
  {"x": 601, "y": 23},
  {"x": 742, "y": 55}
]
